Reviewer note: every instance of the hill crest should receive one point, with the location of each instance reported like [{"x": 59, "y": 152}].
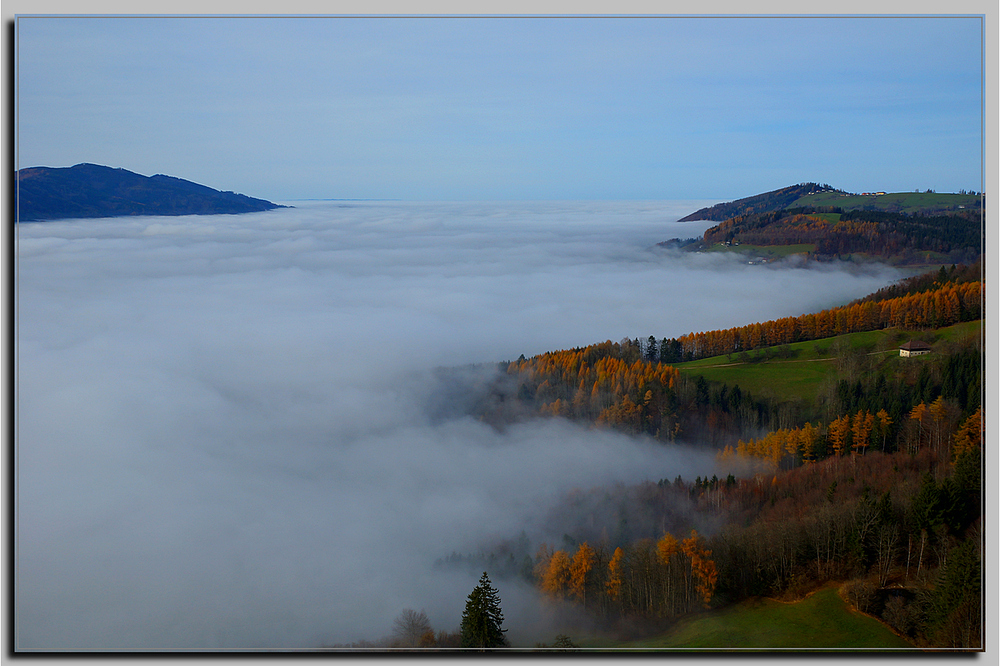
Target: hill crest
[
  {"x": 92, "y": 190},
  {"x": 830, "y": 199},
  {"x": 758, "y": 203}
]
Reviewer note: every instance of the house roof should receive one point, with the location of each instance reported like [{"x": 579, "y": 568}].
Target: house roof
[{"x": 915, "y": 345}]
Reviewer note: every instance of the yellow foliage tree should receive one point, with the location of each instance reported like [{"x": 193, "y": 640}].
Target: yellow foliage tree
[
  {"x": 863, "y": 423},
  {"x": 807, "y": 442},
  {"x": 792, "y": 443},
  {"x": 614, "y": 582},
  {"x": 918, "y": 414},
  {"x": 557, "y": 575},
  {"x": 837, "y": 433},
  {"x": 969, "y": 435},
  {"x": 705, "y": 573},
  {"x": 581, "y": 565},
  {"x": 666, "y": 547},
  {"x": 884, "y": 421},
  {"x": 943, "y": 414}
]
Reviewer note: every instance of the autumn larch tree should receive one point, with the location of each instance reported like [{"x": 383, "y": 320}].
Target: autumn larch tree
[
  {"x": 557, "y": 575},
  {"x": 482, "y": 619},
  {"x": 614, "y": 583},
  {"x": 581, "y": 565},
  {"x": 666, "y": 547},
  {"x": 884, "y": 421},
  {"x": 703, "y": 569},
  {"x": 969, "y": 435}
]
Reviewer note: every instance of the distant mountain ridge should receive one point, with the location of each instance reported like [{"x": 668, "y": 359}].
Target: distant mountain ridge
[
  {"x": 91, "y": 190},
  {"x": 820, "y": 223},
  {"x": 824, "y": 198},
  {"x": 758, "y": 203}
]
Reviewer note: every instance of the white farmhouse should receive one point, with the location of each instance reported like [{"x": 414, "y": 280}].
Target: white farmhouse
[{"x": 914, "y": 348}]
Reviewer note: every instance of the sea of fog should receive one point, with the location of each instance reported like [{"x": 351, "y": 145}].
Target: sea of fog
[{"x": 223, "y": 433}]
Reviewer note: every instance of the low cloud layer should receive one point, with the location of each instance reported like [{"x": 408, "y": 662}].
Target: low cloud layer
[{"x": 229, "y": 433}]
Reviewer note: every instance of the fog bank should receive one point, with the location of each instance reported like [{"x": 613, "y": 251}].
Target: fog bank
[{"x": 229, "y": 434}]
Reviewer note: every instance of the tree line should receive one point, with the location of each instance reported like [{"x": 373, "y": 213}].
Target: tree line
[
  {"x": 946, "y": 305},
  {"x": 929, "y": 281},
  {"x": 616, "y": 385},
  {"x": 663, "y": 578},
  {"x": 837, "y": 233}
]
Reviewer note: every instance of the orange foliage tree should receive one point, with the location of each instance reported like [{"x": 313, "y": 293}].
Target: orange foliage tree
[
  {"x": 703, "y": 569},
  {"x": 614, "y": 582},
  {"x": 861, "y": 429},
  {"x": 557, "y": 575},
  {"x": 969, "y": 435},
  {"x": 838, "y": 433},
  {"x": 581, "y": 565},
  {"x": 600, "y": 382}
]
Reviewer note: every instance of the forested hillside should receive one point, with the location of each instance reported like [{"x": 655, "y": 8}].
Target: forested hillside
[
  {"x": 827, "y": 198},
  {"x": 948, "y": 299},
  {"x": 883, "y": 496},
  {"x": 834, "y": 233},
  {"x": 759, "y": 203},
  {"x": 633, "y": 384}
]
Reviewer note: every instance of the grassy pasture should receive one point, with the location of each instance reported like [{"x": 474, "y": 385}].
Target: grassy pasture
[
  {"x": 960, "y": 332},
  {"x": 785, "y": 380},
  {"x": 765, "y": 251},
  {"x": 829, "y": 217},
  {"x": 917, "y": 261},
  {"x": 802, "y": 368},
  {"x": 903, "y": 202},
  {"x": 821, "y": 621},
  {"x": 766, "y": 372}
]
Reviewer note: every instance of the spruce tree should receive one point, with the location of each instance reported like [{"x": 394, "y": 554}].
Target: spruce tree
[{"x": 482, "y": 619}]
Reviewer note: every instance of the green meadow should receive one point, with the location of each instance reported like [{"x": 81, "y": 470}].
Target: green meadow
[
  {"x": 799, "y": 370},
  {"x": 917, "y": 261},
  {"x": 829, "y": 217},
  {"x": 821, "y": 621},
  {"x": 764, "y": 251},
  {"x": 903, "y": 202}
]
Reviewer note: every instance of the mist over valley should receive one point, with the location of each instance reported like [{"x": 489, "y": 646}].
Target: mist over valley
[{"x": 234, "y": 432}]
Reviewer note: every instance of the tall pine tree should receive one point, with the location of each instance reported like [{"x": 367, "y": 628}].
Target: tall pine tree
[{"x": 482, "y": 619}]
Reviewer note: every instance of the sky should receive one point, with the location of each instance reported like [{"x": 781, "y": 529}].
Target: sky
[
  {"x": 501, "y": 108},
  {"x": 232, "y": 432}
]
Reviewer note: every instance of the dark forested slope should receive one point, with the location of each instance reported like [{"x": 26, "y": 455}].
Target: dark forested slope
[
  {"x": 759, "y": 203},
  {"x": 824, "y": 197},
  {"x": 897, "y": 236},
  {"x": 91, "y": 190},
  {"x": 825, "y": 223}
]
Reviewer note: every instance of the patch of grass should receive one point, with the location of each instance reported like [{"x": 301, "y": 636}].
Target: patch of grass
[
  {"x": 781, "y": 379},
  {"x": 961, "y": 332},
  {"x": 821, "y": 621},
  {"x": 799, "y": 370},
  {"x": 765, "y": 251},
  {"x": 903, "y": 202},
  {"x": 795, "y": 373}
]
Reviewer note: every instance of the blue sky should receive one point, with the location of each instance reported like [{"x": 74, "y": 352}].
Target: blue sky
[{"x": 508, "y": 108}]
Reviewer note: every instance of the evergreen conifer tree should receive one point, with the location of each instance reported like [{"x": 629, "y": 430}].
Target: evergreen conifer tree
[{"x": 482, "y": 619}]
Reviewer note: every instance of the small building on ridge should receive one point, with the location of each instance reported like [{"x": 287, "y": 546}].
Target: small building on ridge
[{"x": 914, "y": 348}]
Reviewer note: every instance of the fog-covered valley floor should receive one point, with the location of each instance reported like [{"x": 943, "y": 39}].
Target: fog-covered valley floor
[{"x": 228, "y": 428}]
